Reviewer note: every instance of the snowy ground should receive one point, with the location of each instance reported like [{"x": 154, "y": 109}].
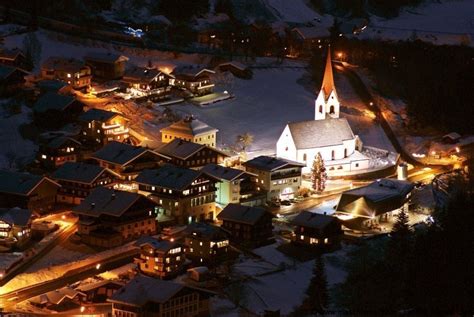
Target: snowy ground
[
  {"x": 14, "y": 150},
  {"x": 297, "y": 11},
  {"x": 284, "y": 289},
  {"x": 438, "y": 22}
]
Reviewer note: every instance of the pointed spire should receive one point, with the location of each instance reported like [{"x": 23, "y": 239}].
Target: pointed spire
[{"x": 328, "y": 79}]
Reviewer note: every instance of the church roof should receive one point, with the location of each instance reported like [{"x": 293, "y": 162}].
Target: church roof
[
  {"x": 328, "y": 80},
  {"x": 319, "y": 133}
]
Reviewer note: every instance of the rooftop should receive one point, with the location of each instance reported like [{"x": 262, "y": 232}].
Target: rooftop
[
  {"x": 320, "y": 133},
  {"x": 138, "y": 74},
  {"x": 158, "y": 245},
  {"x": 242, "y": 214},
  {"x": 224, "y": 173},
  {"x": 191, "y": 71},
  {"x": 60, "y": 141},
  {"x": 15, "y": 216},
  {"x": 19, "y": 183},
  {"x": 120, "y": 153},
  {"x": 53, "y": 101},
  {"x": 143, "y": 289},
  {"x": 180, "y": 148},
  {"x": 106, "y": 57},
  {"x": 10, "y": 54},
  {"x": 97, "y": 115},
  {"x": 78, "y": 172},
  {"x": 66, "y": 64},
  {"x": 313, "y": 220},
  {"x": 189, "y": 126},
  {"x": 270, "y": 164},
  {"x": 56, "y": 297},
  {"x": 168, "y": 176},
  {"x": 205, "y": 230},
  {"x": 108, "y": 202}
]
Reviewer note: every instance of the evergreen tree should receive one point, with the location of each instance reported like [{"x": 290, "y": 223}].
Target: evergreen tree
[
  {"x": 317, "y": 291},
  {"x": 32, "y": 50},
  {"x": 318, "y": 174}
]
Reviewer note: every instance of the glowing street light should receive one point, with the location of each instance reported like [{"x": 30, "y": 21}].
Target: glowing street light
[
  {"x": 97, "y": 266},
  {"x": 82, "y": 309}
]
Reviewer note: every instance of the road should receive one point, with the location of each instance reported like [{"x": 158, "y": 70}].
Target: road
[{"x": 9, "y": 300}]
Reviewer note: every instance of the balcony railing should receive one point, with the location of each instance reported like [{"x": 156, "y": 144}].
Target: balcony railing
[{"x": 285, "y": 175}]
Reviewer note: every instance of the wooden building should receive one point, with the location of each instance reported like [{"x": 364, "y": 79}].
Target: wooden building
[
  {"x": 318, "y": 230},
  {"x": 237, "y": 69},
  {"x": 11, "y": 79},
  {"x": 191, "y": 155},
  {"x": 195, "y": 79},
  {"x": 106, "y": 66},
  {"x": 160, "y": 258},
  {"x": 247, "y": 225},
  {"x": 101, "y": 126},
  {"x": 108, "y": 218},
  {"x": 57, "y": 150},
  {"x": 186, "y": 195},
  {"x": 205, "y": 243},
  {"x": 28, "y": 191},
  {"x": 99, "y": 292},
  {"x": 127, "y": 160},
  {"x": 13, "y": 57},
  {"x": 192, "y": 130},
  {"x": 53, "y": 110},
  {"x": 15, "y": 227},
  {"x": 141, "y": 298},
  {"x": 147, "y": 82},
  {"x": 72, "y": 71},
  {"x": 77, "y": 180}
]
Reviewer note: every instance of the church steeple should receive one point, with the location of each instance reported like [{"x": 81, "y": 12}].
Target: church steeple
[
  {"x": 328, "y": 80},
  {"x": 327, "y": 103}
]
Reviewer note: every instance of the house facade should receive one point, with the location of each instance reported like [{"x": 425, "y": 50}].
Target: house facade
[
  {"x": 106, "y": 66},
  {"x": 77, "y": 180},
  {"x": 147, "y": 82},
  {"x": 319, "y": 230},
  {"x": 101, "y": 126},
  {"x": 15, "y": 227},
  {"x": 192, "y": 130},
  {"x": 72, "y": 71},
  {"x": 247, "y": 225},
  {"x": 185, "y": 195},
  {"x": 56, "y": 151},
  {"x": 109, "y": 218},
  {"x": 205, "y": 243},
  {"x": 195, "y": 79},
  {"x": 160, "y": 258},
  {"x": 191, "y": 155},
  {"x": 280, "y": 178}
]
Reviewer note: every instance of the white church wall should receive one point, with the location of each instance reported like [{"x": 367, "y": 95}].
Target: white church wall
[{"x": 285, "y": 147}]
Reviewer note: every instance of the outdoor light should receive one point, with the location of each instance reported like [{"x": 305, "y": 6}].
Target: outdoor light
[
  {"x": 97, "y": 266},
  {"x": 82, "y": 309}
]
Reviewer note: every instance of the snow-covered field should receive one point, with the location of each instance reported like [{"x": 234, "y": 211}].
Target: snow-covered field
[
  {"x": 285, "y": 289},
  {"x": 438, "y": 22},
  {"x": 297, "y": 11}
]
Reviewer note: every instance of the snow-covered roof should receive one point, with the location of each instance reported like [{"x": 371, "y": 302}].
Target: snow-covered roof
[
  {"x": 57, "y": 296},
  {"x": 452, "y": 136},
  {"x": 242, "y": 214},
  {"x": 141, "y": 74},
  {"x": 224, "y": 173},
  {"x": 120, "y": 153},
  {"x": 78, "y": 172},
  {"x": 143, "y": 289},
  {"x": 205, "y": 231},
  {"x": 320, "y": 133},
  {"x": 61, "y": 63},
  {"x": 95, "y": 285},
  {"x": 20, "y": 183},
  {"x": 268, "y": 163},
  {"x": 374, "y": 199},
  {"x": 60, "y": 141},
  {"x": 235, "y": 64},
  {"x": 53, "y": 101},
  {"x": 189, "y": 126},
  {"x": 97, "y": 115},
  {"x": 190, "y": 71},
  {"x": 15, "y": 216},
  {"x": 170, "y": 177},
  {"x": 10, "y": 54},
  {"x": 107, "y": 201},
  {"x": 313, "y": 220},
  {"x": 160, "y": 246},
  {"x": 180, "y": 148},
  {"x": 105, "y": 57}
]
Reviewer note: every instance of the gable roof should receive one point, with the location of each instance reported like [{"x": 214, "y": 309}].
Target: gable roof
[
  {"x": 143, "y": 289},
  {"x": 189, "y": 126},
  {"x": 57, "y": 296},
  {"x": 190, "y": 71},
  {"x": 180, "y": 148},
  {"x": 59, "y": 141},
  {"x": 169, "y": 176},
  {"x": 242, "y": 214},
  {"x": 15, "y": 216},
  {"x": 313, "y": 220},
  {"x": 105, "y": 201},
  {"x": 20, "y": 183},
  {"x": 205, "y": 230},
  {"x": 105, "y": 57},
  {"x": 320, "y": 133},
  {"x": 374, "y": 199},
  {"x": 53, "y": 101},
  {"x": 78, "y": 172},
  {"x": 97, "y": 115},
  {"x": 61, "y": 63},
  {"x": 121, "y": 153},
  {"x": 95, "y": 285},
  {"x": 224, "y": 173},
  {"x": 6, "y": 71},
  {"x": 6, "y": 54},
  {"x": 158, "y": 245},
  {"x": 140, "y": 74},
  {"x": 270, "y": 164}
]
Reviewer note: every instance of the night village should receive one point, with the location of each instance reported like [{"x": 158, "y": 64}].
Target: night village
[{"x": 260, "y": 158}]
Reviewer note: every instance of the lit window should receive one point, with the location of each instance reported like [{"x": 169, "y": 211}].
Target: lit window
[
  {"x": 302, "y": 237},
  {"x": 43, "y": 157},
  {"x": 326, "y": 240}
]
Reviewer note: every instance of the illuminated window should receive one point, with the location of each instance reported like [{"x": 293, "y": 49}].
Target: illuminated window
[
  {"x": 326, "y": 240},
  {"x": 302, "y": 237}
]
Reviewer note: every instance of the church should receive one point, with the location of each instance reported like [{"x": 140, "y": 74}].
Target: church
[{"x": 327, "y": 134}]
